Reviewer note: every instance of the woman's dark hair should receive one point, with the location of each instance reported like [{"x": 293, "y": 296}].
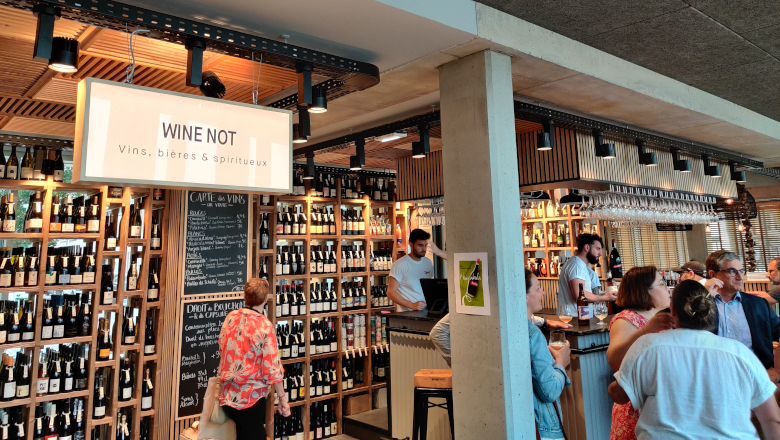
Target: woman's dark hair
[
  {"x": 418, "y": 234},
  {"x": 528, "y": 275},
  {"x": 694, "y": 306},
  {"x": 634, "y": 290},
  {"x": 255, "y": 292}
]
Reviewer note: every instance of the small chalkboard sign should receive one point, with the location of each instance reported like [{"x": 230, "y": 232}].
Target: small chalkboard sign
[
  {"x": 198, "y": 355},
  {"x": 216, "y": 247}
]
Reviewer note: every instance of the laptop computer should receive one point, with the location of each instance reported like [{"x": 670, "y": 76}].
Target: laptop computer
[{"x": 436, "y": 295}]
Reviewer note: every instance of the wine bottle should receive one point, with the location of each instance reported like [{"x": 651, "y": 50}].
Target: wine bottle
[
  {"x": 28, "y": 322},
  {"x": 150, "y": 339},
  {"x": 50, "y": 432},
  {"x": 156, "y": 242},
  {"x": 107, "y": 286},
  {"x": 59, "y": 317},
  {"x": 42, "y": 384},
  {"x": 7, "y": 379},
  {"x": 93, "y": 216},
  {"x": 84, "y": 318},
  {"x": 12, "y": 165},
  {"x": 15, "y": 329},
  {"x": 47, "y": 326},
  {"x": 23, "y": 379},
  {"x": 99, "y": 400},
  {"x": 34, "y": 223},
  {"x": 80, "y": 374},
  {"x": 110, "y": 233},
  {"x": 88, "y": 262},
  {"x": 104, "y": 341},
  {"x": 125, "y": 382},
  {"x": 146, "y": 392},
  {"x": 67, "y": 375},
  {"x": 38, "y": 431},
  {"x": 153, "y": 285},
  {"x": 265, "y": 234},
  {"x": 9, "y": 216},
  {"x": 59, "y": 167},
  {"x": 583, "y": 310},
  {"x": 67, "y": 216},
  {"x": 28, "y": 163},
  {"x": 79, "y": 425},
  {"x": 128, "y": 327},
  {"x": 55, "y": 373},
  {"x": 135, "y": 219}
]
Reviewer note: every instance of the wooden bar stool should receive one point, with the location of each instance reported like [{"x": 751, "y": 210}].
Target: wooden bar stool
[{"x": 430, "y": 384}]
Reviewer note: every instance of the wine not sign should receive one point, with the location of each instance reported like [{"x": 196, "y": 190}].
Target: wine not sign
[{"x": 138, "y": 135}]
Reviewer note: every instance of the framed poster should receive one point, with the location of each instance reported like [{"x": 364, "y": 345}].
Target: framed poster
[{"x": 473, "y": 293}]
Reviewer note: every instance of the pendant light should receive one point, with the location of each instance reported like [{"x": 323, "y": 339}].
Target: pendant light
[
  {"x": 681, "y": 165},
  {"x": 422, "y": 147},
  {"x": 647, "y": 159},
  {"x": 737, "y": 176},
  {"x": 309, "y": 171},
  {"x": 357, "y": 161},
  {"x": 604, "y": 150},
  {"x": 709, "y": 169},
  {"x": 64, "y": 55},
  {"x": 298, "y": 137},
  {"x": 545, "y": 141},
  {"x": 573, "y": 198},
  {"x": 320, "y": 101}
]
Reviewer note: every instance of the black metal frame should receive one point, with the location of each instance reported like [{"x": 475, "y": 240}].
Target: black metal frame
[
  {"x": 348, "y": 75},
  {"x": 535, "y": 113},
  {"x": 28, "y": 139},
  {"x": 346, "y": 171},
  {"x": 405, "y": 125}
]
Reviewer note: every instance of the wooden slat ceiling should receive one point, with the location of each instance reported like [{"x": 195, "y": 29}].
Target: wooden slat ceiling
[{"x": 34, "y": 99}]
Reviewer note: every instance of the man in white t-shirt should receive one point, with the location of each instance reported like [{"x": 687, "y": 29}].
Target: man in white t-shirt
[
  {"x": 405, "y": 275},
  {"x": 575, "y": 272}
]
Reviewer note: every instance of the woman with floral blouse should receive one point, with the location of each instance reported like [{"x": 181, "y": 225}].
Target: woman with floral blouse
[{"x": 250, "y": 364}]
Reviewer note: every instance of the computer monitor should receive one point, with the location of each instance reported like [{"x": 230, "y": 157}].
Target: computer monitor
[{"x": 436, "y": 295}]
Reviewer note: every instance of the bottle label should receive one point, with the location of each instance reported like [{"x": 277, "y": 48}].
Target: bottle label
[
  {"x": 146, "y": 403},
  {"x": 64, "y": 278},
  {"x": 28, "y": 336},
  {"x": 5, "y": 280},
  {"x": 93, "y": 225},
  {"x": 81, "y": 384},
  {"x": 583, "y": 312},
  {"x": 36, "y": 223},
  {"x": 27, "y": 173},
  {"x": 157, "y": 243},
  {"x": 132, "y": 283},
  {"x": 149, "y": 349},
  {"x": 110, "y": 243},
  {"x": 76, "y": 279},
  {"x": 108, "y": 297},
  {"x": 88, "y": 278},
  {"x": 127, "y": 393},
  {"x": 54, "y": 386},
  {"x": 32, "y": 278},
  {"x": 59, "y": 331},
  {"x": 9, "y": 390},
  {"x": 9, "y": 225},
  {"x": 68, "y": 384},
  {"x": 13, "y": 337},
  {"x": 43, "y": 386},
  {"x": 104, "y": 352},
  {"x": 100, "y": 411},
  {"x": 23, "y": 391},
  {"x": 68, "y": 227},
  {"x": 129, "y": 340},
  {"x": 151, "y": 294},
  {"x": 135, "y": 231},
  {"x": 19, "y": 278},
  {"x": 10, "y": 172},
  {"x": 3, "y": 336}
]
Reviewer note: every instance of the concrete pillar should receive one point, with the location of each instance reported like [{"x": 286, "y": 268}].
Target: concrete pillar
[{"x": 490, "y": 357}]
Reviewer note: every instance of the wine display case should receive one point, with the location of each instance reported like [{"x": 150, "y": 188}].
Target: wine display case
[
  {"x": 361, "y": 360},
  {"x": 114, "y": 203}
]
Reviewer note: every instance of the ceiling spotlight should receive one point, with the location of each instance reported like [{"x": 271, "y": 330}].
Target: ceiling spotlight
[
  {"x": 391, "y": 137},
  {"x": 709, "y": 169},
  {"x": 44, "y": 33},
  {"x": 604, "y": 150},
  {"x": 354, "y": 163},
  {"x": 418, "y": 150},
  {"x": 647, "y": 159},
  {"x": 360, "y": 151},
  {"x": 298, "y": 136},
  {"x": 304, "y": 84},
  {"x": 195, "y": 50},
  {"x": 320, "y": 104},
  {"x": 64, "y": 55},
  {"x": 681, "y": 165},
  {"x": 309, "y": 171},
  {"x": 573, "y": 198},
  {"x": 422, "y": 147},
  {"x": 737, "y": 176},
  {"x": 212, "y": 86},
  {"x": 545, "y": 140},
  {"x": 304, "y": 119},
  {"x": 729, "y": 201}
]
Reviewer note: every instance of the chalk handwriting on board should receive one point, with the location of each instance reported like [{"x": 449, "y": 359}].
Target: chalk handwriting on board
[{"x": 216, "y": 251}]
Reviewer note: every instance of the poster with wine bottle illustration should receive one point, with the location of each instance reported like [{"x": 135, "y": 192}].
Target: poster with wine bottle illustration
[{"x": 472, "y": 289}]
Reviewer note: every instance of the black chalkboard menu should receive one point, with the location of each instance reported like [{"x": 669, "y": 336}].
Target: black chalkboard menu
[
  {"x": 216, "y": 245},
  {"x": 199, "y": 350}
]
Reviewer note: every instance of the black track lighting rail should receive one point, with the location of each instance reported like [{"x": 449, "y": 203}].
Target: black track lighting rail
[
  {"x": 535, "y": 113},
  {"x": 335, "y": 88},
  {"x": 32, "y": 140},
  {"x": 347, "y": 171},
  {"x": 405, "y": 125},
  {"x": 351, "y": 75}
]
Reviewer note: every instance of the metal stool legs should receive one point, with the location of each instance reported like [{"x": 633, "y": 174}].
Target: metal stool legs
[{"x": 421, "y": 406}]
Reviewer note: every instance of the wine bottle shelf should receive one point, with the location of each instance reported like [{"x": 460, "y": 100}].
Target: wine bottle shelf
[
  {"x": 292, "y": 237},
  {"x": 26, "y": 344},
  {"x": 131, "y": 402},
  {"x": 383, "y": 309},
  {"x": 325, "y": 397},
  {"x": 55, "y": 341},
  {"x": 136, "y": 241},
  {"x": 293, "y": 361},
  {"x": 20, "y": 289},
  {"x": 15, "y": 402},
  {"x": 356, "y": 390},
  {"x": 324, "y": 237},
  {"x": 113, "y": 307},
  {"x": 134, "y": 347},
  {"x": 382, "y": 237},
  {"x": 21, "y": 236},
  {"x": 70, "y": 287},
  {"x": 378, "y": 385},
  {"x": 292, "y": 277},
  {"x": 266, "y": 252},
  {"x": 380, "y": 273},
  {"x": 150, "y": 357},
  {"x": 103, "y": 421},
  {"x": 107, "y": 254},
  {"x": 61, "y": 396},
  {"x": 147, "y": 413},
  {"x": 317, "y": 315},
  {"x": 158, "y": 202},
  {"x": 324, "y": 356},
  {"x": 108, "y": 363},
  {"x": 73, "y": 235},
  {"x": 353, "y": 201}
]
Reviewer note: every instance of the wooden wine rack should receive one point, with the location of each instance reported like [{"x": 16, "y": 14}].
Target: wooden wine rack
[
  {"x": 370, "y": 277},
  {"x": 123, "y": 243}
]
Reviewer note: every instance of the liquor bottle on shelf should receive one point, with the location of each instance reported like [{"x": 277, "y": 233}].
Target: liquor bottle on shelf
[
  {"x": 14, "y": 327},
  {"x": 132, "y": 273},
  {"x": 147, "y": 393},
  {"x": 34, "y": 221},
  {"x": 7, "y": 379},
  {"x": 67, "y": 216},
  {"x": 107, "y": 286},
  {"x": 93, "y": 216},
  {"x": 135, "y": 219},
  {"x": 11, "y": 166},
  {"x": 111, "y": 235},
  {"x": 28, "y": 322},
  {"x": 79, "y": 424},
  {"x": 9, "y": 214},
  {"x": 123, "y": 431},
  {"x": 59, "y": 317},
  {"x": 38, "y": 432},
  {"x": 84, "y": 318},
  {"x": 23, "y": 377},
  {"x": 104, "y": 341},
  {"x": 55, "y": 371},
  {"x": 71, "y": 316},
  {"x": 6, "y": 269},
  {"x": 99, "y": 400},
  {"x": 158, "y": 194},
  {"x": 125, "y": 382},
  {"x": 156, "y": 242},
  {"x": 59, "y": 167},
  {"x": 42, "y": 384},
  {"x": 47, "y": 323},
  {"x": 150, "y": 338},
  {"x": 80, "y": 216},
  {"x": 28, "y": 163},
  {"x": 128, "y": 327},
  {"x": 80, "y": 374},
  {"x": 68, "y": 354}
]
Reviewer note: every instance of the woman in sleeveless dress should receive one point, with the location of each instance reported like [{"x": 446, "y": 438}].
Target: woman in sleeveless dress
[{"x": 643, "y": 293}]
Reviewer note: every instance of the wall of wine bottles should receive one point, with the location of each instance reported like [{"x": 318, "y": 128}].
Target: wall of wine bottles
[
  {"x": 81, "y": 287},
  {"x": 327, "y": 251}
]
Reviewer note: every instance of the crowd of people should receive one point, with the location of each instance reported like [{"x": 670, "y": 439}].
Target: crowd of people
[{"x": 695, "y": 362}]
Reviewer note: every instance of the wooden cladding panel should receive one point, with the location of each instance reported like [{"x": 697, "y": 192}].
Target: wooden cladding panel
[
  {"x": 556, "y": 165},
  {"x": 59, "y": 90},
  {"x": 420, "y": 178},
  {"x": 40, "y": 127},
  {"x": 625, "y": 169},
  {"x": 18, "y": 71}
]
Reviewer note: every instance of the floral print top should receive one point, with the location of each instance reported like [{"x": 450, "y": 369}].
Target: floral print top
[
  {"x": 249, "y": 363},
  {"x": 625, "y": 417}
]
